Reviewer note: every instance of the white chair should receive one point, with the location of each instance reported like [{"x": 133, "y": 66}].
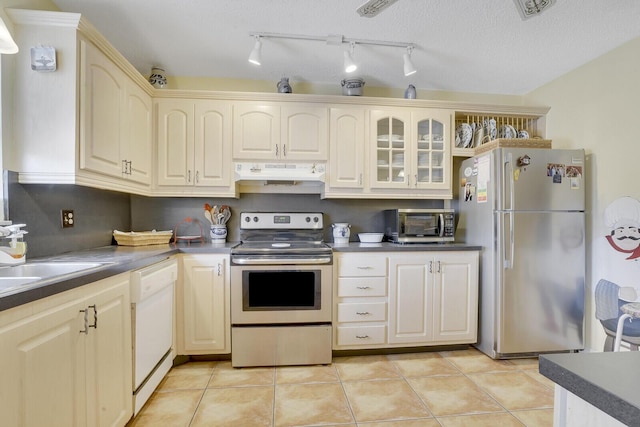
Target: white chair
[{"x": 608, "y": 303}]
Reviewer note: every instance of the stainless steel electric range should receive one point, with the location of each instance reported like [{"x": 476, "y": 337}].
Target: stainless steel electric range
[{"x": 281, "y": 291}]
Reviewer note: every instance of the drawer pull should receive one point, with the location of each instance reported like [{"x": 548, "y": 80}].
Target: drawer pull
[
  {"x": 362, "y": 337},
  {"x": 363, "y": 287},
  {"x": 363, "y": 313},
  {"x": 366, "y": 267}
]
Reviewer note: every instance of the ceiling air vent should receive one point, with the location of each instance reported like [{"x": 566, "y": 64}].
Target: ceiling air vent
[
  {"x": 530, "y": 8},
  {"x": 374, "y": 7}
]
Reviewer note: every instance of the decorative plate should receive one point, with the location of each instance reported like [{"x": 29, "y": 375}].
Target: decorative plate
[{"x": 464, "y": 133}]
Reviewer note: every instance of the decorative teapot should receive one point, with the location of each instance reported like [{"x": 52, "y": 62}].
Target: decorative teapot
[{"x": 341, "y": 232}]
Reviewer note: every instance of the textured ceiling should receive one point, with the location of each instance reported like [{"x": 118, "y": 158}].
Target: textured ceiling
[{"x": 477, "y": 46}]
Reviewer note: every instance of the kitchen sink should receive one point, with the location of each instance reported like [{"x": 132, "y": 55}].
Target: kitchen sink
[
  {"x": 46, "y": 270},
  {"x": 8, "y": 283}
]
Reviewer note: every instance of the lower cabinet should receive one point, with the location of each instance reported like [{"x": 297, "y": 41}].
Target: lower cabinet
[
  {"x": 203, "y": 305},
  {"x": 433, "y": 298},
  {"x": 400, "y": 299},
  {"x": 67, "y": 359}
]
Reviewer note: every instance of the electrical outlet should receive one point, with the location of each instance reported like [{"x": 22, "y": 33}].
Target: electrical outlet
[{"x": 68, "y": 219}]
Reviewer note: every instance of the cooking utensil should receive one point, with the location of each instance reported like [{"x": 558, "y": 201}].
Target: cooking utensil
[{"x": 207, "y": 214}]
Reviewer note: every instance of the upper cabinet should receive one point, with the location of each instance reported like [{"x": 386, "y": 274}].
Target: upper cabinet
[
  {"x": 272, "y": 131},
  {"x": 193, "y": 147},
  {"x": 346, "y": 147},
  {"x": 115, "y": 119},
  {"x": 90, "y": 121},
  {"x": 412, "y": 149}
]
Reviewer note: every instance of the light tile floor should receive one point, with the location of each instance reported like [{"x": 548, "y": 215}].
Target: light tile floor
[{"x": 449, "y": 388}]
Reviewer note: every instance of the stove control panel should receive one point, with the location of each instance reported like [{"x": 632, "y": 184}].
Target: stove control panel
[{"x": 281, "y": 220}]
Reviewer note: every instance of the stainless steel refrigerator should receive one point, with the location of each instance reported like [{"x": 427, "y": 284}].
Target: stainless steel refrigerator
[{"x": 525, "y": 208}]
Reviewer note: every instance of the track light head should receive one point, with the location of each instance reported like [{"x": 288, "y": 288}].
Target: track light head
[
  {"x": 256, "y": 54},
  {"x": 409, "y": 68},
  {"x": 349, "y": 65}
]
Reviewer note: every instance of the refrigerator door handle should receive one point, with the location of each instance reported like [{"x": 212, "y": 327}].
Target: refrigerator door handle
[
  {"x": 508, "y": 243},
  {"x": 508, "y": 181}
]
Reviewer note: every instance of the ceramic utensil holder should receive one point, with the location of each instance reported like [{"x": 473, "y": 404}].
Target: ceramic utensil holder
[{"x": 218, "y": 233}]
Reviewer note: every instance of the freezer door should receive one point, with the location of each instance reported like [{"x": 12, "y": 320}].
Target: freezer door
[
  {"x": 540, "y": 282},
  {"x": 539, "y": 179}
]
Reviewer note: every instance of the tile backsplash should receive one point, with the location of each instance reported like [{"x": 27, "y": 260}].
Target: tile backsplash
[{"x": 98, "y": 212}]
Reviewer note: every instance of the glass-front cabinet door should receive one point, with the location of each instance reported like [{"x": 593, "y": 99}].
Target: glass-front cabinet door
[
  {"x": 432, "y": 160},
  {"x": 391, "y": 156}
]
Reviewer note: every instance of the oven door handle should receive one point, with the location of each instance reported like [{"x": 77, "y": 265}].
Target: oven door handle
[{"x": 281, "y": 261}]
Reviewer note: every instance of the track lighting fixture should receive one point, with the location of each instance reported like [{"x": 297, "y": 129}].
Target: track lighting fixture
[
  {"x": 349, "y": 64},
  {"x": 409, "y": 69},
  {"x": 256, "y": 54}
]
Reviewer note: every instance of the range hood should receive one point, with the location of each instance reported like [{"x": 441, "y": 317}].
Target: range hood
[{"x": 307, "y": 175}]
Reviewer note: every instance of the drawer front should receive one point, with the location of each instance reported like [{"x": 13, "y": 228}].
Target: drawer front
[
  {"x": 362, "y": 265},
  {"x": 361, "y": 335},
  {"x": 362, "y": 286},
  {"x": 362, "y": 312}
]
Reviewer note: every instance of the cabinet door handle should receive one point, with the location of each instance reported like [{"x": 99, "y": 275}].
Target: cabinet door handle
[
  {"x": 430, "y": 266},
  {"x": 360, "y": 180},
  {"x": 363, "y": 287},
  {"x": 362, "y": 313},
  {"x": 276, "y": 150},
  {"x": 189, "y": 175},
  {"x": 86, "y": 322},
  {"x": 197, "y": 177},
  {"x": 95, "y": 316},
  {"x": 219, "y": 269},
  {"x": 362, "y": 337},
  {"x": 415, "y": 178},
  {"x": 439, "y": 267},
  {"x": 284, "y": 150}
]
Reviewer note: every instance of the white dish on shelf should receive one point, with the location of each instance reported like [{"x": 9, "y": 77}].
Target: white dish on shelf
[{"x": 464, "y": 134}]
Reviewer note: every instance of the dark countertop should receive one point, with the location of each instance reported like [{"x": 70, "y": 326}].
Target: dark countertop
[
  {"x": 394, "y": 247},
  {"x": 115, "y": 259},
  {"x": 120, "y": 259},
  {"x": 608, "y": 381}
]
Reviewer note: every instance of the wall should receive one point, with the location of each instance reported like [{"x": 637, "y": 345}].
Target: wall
[{"x": 595, "y": 107}]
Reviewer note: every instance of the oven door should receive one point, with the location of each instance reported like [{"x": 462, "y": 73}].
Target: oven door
[{"x": 280, "y": 294}]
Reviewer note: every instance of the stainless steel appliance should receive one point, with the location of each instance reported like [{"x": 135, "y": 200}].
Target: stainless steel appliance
[
  {"x": 419, "y": 225},
  {"x": 525, "y": 208},
  {"x": 152, "y": 319},
  {"x": 281, "y": 291}
]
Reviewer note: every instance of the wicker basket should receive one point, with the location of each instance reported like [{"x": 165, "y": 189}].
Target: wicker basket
[
  {"x": 142, "y": 238},
  {"x": 513, "y": 143}
]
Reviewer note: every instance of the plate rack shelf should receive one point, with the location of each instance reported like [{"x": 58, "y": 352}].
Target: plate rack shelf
[{"x": 533, "y": 124}]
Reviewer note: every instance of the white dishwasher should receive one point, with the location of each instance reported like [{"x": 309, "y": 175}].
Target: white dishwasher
[{"x": 152, "y": 290}]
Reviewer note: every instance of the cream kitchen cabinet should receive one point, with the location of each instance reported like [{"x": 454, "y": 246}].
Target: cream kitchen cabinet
[
  {"x": 203, "y": 305},
  {"x": 411, "y": 152},
  {"x": 273, "y": 131},
  {"x": 194, "y": 147},
  {"x": 360, "y": 295},
  {"x": 67, "y": 359},
  {"x": 433, "y": 298},
  {"x": 115, "y": 119},
  {"x": 87, "y": 123},
  {"x": 346, "y": 148}
]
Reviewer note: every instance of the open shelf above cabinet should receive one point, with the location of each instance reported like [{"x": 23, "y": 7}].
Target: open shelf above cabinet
[{"x": 533, "y": 124}]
